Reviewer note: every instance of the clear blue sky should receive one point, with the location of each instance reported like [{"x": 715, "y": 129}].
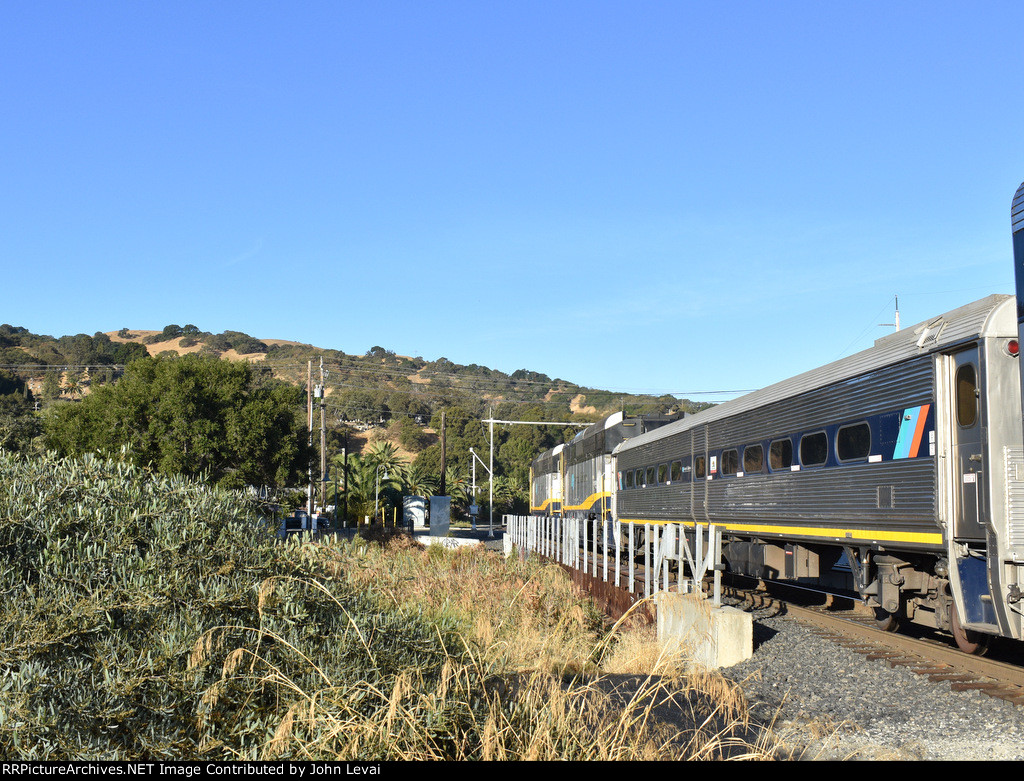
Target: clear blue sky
[{"x": 665, "y": 197}]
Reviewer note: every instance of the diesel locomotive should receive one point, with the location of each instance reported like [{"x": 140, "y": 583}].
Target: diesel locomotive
[{"x": 576, "y": 479}]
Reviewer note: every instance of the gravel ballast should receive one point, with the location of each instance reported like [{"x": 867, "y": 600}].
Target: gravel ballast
[{"x": 802, "y": 683}]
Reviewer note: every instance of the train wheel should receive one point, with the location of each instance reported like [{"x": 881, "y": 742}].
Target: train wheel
[
  {"x": 886, "y": 621},
  {"x": 968, "y": 641}
]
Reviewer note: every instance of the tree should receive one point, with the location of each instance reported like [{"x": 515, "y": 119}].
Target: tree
[
  {"x": 358, "y": 405},
  {"x": 371, "y": 487},
  {"x": 51, "y": 385},
  {"x": 420, "y": 482},
  {"x": 18, "y": 424},
  {"x": 194, "y": 415},
  {"x": 385, "y": 455}
]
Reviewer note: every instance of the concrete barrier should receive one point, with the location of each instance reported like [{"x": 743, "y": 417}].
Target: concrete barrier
[
  {"x": 446, "y": 542},
  {"x": 712, "y": 637}
]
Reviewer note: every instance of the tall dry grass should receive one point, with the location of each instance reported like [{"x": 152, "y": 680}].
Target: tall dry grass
[{"x": 539, "y": 676}]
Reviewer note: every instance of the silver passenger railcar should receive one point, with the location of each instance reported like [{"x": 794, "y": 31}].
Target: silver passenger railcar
[{"x": 906, "y": 457}]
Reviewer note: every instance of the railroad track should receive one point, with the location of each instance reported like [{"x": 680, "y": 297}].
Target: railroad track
[
  {"x": 849, "y": 623},
  {"x": 927, "y": 656}
]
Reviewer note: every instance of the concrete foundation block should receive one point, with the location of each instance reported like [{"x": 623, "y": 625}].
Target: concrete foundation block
[{"x": 709, "y": 636}]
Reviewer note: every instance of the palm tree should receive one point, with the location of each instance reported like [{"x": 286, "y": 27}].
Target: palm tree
[
  {"x": 385, "y": 455},
  {"x": 72, "y": 384},
  {"x": 457, "y": 485},
  {"x": 419, "y": 482},
  {"x": 506, "y": 492}
]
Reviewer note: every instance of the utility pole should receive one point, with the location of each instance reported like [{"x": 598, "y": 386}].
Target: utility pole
[
  {"x": 321, "y": 392},
  {"x": 475, "y": 459},
  {"x": 345, "y": 489},
  {"x": 490, "y": 493},
  {"x": 444, "y": 453},
  {"x": 492, "y": 421},
  {"x": 323, "y": 477},
  {"x": 309, "y": 412}
]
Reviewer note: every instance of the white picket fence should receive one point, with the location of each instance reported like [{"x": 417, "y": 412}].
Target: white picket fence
[{"x": 565, "y": 540}]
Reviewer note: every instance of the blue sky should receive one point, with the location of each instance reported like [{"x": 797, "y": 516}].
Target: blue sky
[{"x": 664, "y": 197}]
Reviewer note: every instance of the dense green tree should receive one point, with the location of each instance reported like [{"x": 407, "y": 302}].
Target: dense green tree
[
  {"x": 194, "y": 415},
  {"x": 10, "y": 336},
  {"x": 359, "y": 405},
  {"x": 51, "y": 384},
  {"x": 412, "y": 436},
  {"x": 126, "y": 352},
  {"x": 372, "y": 488},
  {"x": 19, "y": 424}
]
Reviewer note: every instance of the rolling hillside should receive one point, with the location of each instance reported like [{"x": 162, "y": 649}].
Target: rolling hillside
[{"x": 376, "y": 395}]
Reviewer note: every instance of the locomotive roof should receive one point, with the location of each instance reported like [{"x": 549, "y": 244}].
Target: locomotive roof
[
  {"x": 602, "y": 425},
  {"x": 549, "y": 453},
  {"x": 994, "y": 315}
]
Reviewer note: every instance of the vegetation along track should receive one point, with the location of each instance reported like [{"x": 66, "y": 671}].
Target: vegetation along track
[{"x": 846, "y": 622}]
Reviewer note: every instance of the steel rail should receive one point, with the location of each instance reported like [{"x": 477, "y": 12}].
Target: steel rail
[{"x": 938, "y": 662}]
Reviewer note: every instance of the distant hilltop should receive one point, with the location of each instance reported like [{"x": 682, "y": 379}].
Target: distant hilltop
[{"x": 371, "y": 389}]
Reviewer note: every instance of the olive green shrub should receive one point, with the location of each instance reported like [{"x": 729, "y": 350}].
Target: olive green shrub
[{"x": 149, "y": 617}]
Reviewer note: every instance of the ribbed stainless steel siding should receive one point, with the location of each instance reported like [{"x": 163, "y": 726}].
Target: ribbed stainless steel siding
[
  {"x": 1015, "y": 501},
  {"x": 846, "y": 494},
  {"x": 890, "y": 389},
  {"x": 1017, "y": 211},
  {"x": 966, "y": 323},
  {"x": 582, "y": 481}
]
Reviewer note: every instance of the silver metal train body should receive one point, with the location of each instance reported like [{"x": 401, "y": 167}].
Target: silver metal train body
[
  {"x": 907, "y": 458},
  {"x": 546, "y": 482},
  {"x": 904, "y": 464}
]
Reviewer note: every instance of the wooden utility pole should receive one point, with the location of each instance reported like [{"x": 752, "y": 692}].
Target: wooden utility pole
[
  {"x": 323, "y": 439},
  {"x": 309, "y": 411},
  {"x": 344, "y": 515},
  {"x": 444, "y": 452}
]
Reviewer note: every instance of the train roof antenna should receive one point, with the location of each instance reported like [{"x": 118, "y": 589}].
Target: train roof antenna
[{"x": 897, "y": 323}]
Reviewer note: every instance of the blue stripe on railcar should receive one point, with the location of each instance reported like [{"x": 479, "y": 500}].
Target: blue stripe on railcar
[{"x": 916, "y": 426}]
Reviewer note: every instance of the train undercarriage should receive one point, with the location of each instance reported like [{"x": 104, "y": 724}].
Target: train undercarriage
[{"x": 900, "y": 587}]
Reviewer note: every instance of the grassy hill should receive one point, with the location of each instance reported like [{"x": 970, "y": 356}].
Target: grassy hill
[
  {"x": 376, "y": 396},
  {"x": 404, "y": 385}
]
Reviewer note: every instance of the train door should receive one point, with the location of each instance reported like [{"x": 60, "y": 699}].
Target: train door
[
  {"x": 967, "y": 446},
  {"x": 973, "y": 617}
]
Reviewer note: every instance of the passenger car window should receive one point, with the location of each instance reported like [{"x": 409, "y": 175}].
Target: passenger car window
[
  {"x": 677, "y": 471},
  {"x": 966, "y": 395},
  {"x": 853, "y": 443},
  {"x": 730, "y": 462},
  {"x": 780, "y": 454},
  {"x": 662, "y": 473},
  {"x": 651, "y": 476},
  {"x": 814, "y": 449},
  {"x": 699, "y": 467},
  {"x": 753, "y": 458},
  {"x": 629, "y": 479}
]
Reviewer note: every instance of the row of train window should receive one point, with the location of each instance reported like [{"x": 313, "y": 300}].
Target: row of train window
[{"x": 853, "y": 443}]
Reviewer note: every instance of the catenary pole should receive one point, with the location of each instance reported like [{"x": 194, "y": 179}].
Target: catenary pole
[{"x": 492, "y": 421}]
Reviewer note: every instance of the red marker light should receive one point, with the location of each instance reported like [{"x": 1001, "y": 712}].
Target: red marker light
[{"x": 1013, "y": 348}]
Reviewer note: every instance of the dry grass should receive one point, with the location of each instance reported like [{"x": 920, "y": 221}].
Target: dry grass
[{"x": 540, "y": 677}]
